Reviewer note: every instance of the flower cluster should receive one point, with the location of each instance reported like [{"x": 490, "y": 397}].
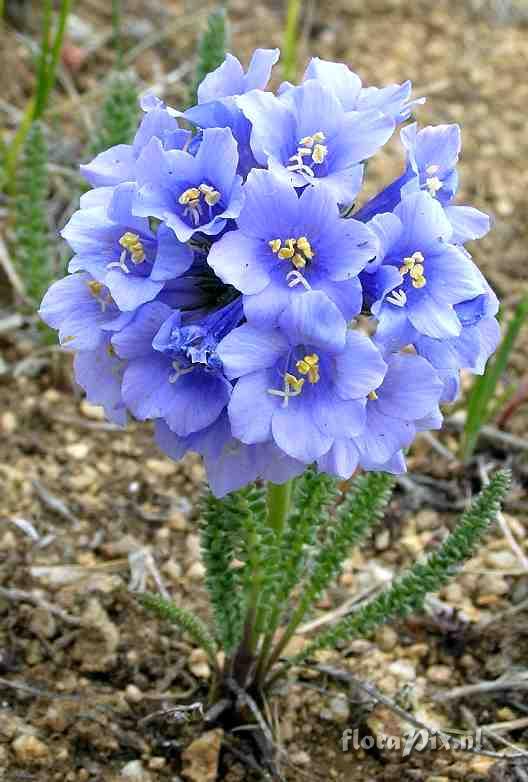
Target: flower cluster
[{"x": 224, "y": 287}]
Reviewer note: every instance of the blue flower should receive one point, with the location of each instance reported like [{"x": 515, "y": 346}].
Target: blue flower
[
  {"x": 418, "y": 277},
  {"x": 173, "y": 371},
  {"x": 118, "y": 164},
  {"x": 190, "y": 193},
  {"x": 432, "y": 157},
  {"x": 392, "y": 101},
  {"x": 229, "y": 463},
  {"x": 217, "y": 106},
  {"x": 409, "y": 391},
  {"x": 82, "y": 311},
  {"x": 86, "y": 317},
  {"x": 303, "y": 384},
  {"x": 307, "y": 136},
  {"x": 287, "y": 244},
  {"x": 470, "y": 351},
  {"x": 120, "y": 250}
]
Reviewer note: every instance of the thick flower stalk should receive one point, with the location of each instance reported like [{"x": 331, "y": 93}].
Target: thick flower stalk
[{"x": 225, "y": 286}]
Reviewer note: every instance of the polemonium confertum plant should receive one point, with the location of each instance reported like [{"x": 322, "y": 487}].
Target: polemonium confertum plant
[{"x": 224, "y": 287}]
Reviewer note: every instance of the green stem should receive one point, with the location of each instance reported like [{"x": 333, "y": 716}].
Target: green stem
[
  {"x": 57, "y": 46},
  {"x": 289, "y": 59},
  {"x": 279, "y": 497}
]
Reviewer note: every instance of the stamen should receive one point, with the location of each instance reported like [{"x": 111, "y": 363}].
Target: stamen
[
  {"x": 433, "y": 185},
  {"x": 309, "y": 365},
  {"x": 191, "y": 199},
  {"x": 178, "y": 371},
  {"x": 372, "y": 396},
  {"x": 309, "y": 146},
  {"x": 298, "y": 251},
  {"x": 296, "y": 278},
  {"x": 134, "y": 245},
  {"x": 96, "y": 289},
  {"x": 120, "y": 264},
  {"x": 432, "y": 169},
  {"x": 413, "y": 265},
  {"x": 292, "y": 387},
  {"x": 398, "y": 298}
]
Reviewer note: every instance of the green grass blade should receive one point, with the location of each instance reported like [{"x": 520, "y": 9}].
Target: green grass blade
[
  {"x": 289, "y": 54},
  {"x": 484, "y": 388}
]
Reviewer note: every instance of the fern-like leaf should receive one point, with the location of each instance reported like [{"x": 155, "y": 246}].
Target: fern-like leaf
[
  {"x": 119, "y": 113},
  {"x": 408, "y": 593},
  {"x": 211, "y": 49},
  {"x": 222, "y": 530},
  {"x": 32, "y": 250},
  {"x": 185, "y": 620}
]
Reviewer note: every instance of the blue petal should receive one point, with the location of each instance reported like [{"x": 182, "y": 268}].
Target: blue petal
[
  {"x": 241, "y": 261},
  {"x": 312, "y": 319},
  {"x": 251, "y": 408},
  {"x": 247, "y": 349},
  {"x": 360, "y": 368}
]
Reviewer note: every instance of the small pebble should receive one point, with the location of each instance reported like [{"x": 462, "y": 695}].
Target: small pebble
[
  {"x": 300, "y": 758},
  {"x": 161, "y": 467},
  {"x": 93, "y": 412},
  {"x": 501, "y": 560},
  {"x": 491, "y": 584},
  {"x": 172, "y": 569},
  {"x": 440, "y": 674},
  {"x": 382, "y": 540},
  {"x": 196, "y": 572},
  {"x": 29, "y": 750},
  {"x": 78, "y": 451},
  {"x": 133, "y": 694},
  {"x": 386, "y": 639},
  {"x": 403, "y": 670},
  {"x": 135, "y": 771}
]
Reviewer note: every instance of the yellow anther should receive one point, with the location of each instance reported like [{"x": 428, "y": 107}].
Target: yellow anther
[
  {"x": 211, "y": 196},
  {"x": 416, "y": 271},
  {"x": 309, "y": 365},
  {"x": 189, "y": 195},
  {"x": 298, "y": 251},
  {"x": 296, "y": 383},
  {"x": 133, "y": 244},
  {"x": 288, "y": 251},
  {"x": 298, "y": 261},
  {"x": 413, "y": 265},
  {"x": 111, "y": 351},
  {"x": 95, "y": 287},
  {"x": 372, "y": 396},
  {"x": 305, "y": 247},
  {"x": 309, "y": 146},
  {"x": 319, "y": 153}
]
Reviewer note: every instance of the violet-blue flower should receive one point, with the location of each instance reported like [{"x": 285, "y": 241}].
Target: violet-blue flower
[
  {"x": 418, "y": 277},
  {"x": 190, "y": 193},
  {"x": 173, "y": 371},
  {"x": 393, "y": 101},
  {"x": 409, "y": 391},
  {"x": 307, "y": 136},
  {"x": 287, "y": 244},
  {"x": 118, "y": 164},
  {"x": 120, "y": 250},
  {"x": 303, "y": 384},
  {"x": 229, "y": 463}
]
